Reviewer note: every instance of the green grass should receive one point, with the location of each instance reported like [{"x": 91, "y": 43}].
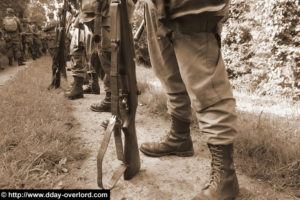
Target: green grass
[
  {"x": 267, "y": 146},
  {"x": 37, "y": 131}
]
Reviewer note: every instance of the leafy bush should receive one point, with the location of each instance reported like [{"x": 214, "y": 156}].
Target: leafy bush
[{"x": 260, "y": 41}]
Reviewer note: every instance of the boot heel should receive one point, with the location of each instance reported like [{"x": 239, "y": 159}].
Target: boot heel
[{"x": 185, "y": 154}]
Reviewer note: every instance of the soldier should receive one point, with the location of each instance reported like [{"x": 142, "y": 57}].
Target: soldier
[
  {"x": 12, "y": 29},
  {"x": 81, "y": 51},
  {"x": 44, "y": 42},
  {"x": 37, "y": 43},
  {"x": 105, "y": 54},
  {"x": 27, "y": 36},
  {"x": 184, "y": 45},
  {"x": 50, "y": 30},
  {"x": 2, "y": 47},
  {"x": 88, "y": 15}
]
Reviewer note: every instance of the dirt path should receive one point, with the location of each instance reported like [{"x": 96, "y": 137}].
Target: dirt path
[
  {"x": 159, "y": 178},
  {"x": 10, "y": 71}
]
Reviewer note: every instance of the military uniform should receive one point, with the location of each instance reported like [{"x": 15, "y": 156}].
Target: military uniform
[
  {"x": 82, "y": 50},
  {"x": 27, "y": 37},
  {"x": 37, "y": 42},
  {"x": 2, "y": 47},
  {"x": 105, "y": 54},
  {"x": 44, "y": 42},
  {"x": 12, "y": 29},
  {"x": 50, "y": 30},
  {"x": 184, "y": 46}
]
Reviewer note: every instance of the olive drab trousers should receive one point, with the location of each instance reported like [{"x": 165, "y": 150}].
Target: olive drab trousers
[
  {"x": 13, "y": 46},
  {"x": 190, "y": 67},
  {"x": 78, "y": 52},
  {"x": 105, "y": 46}
]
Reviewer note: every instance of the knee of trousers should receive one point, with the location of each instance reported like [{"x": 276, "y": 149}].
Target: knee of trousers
[
  {"x": 219, "y": 122},
  {"x": 105, "y": 59},
  {"x": 179, "y": 105},
  {"x": 106, "y": 82}
]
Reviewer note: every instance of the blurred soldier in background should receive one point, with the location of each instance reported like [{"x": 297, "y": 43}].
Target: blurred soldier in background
[
  {"x": 44, "y": 42},
  {"x": 88, "y": 16},
  {"x": 37, "y": 42},
  {"x": 12, "y": 29},
  {"x": 27, "y": 39},
  {"x": 50, "y": 30},
  {"x": 2, "y": 47},
  {"x": 82, "y": 50}
]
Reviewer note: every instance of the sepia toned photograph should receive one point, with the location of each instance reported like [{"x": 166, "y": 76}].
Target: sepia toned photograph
[{"x": 150, "y": 99}]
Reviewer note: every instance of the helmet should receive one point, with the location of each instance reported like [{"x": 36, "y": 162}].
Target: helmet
[
  {"x": 51, "y": 15},
  {"x": 10, "y": 11},
  {"x": 88, "y": 10}
]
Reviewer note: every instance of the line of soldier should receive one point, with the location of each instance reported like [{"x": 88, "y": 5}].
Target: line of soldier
[
  {"x": 91, "y": 58},
  {"x": 19, "y": 38},
  {"x": 185, "y": 51}
]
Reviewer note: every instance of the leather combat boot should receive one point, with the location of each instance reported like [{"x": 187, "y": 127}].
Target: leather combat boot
[
  {"x": 104, "y": 105},
  {"x": 23, "y": 59},
  {"x": 10, "y": 61},
  {"x": 76, "y": 91},
  {"x": 93, "y": 87},
  {"x": 178, "y": 142},
  {"x": 223, "y": 184},
  {"x": 20, "y": 62}
]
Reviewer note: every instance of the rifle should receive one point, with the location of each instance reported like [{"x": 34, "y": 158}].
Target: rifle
[
  {"x": 97, "y": 23},
  {"x": 124, "y": 98},
  {"x": 59, "y": 67},
  {"x": 140, "y": 31}
]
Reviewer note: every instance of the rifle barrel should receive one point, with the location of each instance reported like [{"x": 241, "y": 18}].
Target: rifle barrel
[{"x": 140, "y": 31}]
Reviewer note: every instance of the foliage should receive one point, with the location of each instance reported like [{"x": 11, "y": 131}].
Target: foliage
[
  {"x": 19, "y": 7},
  {"x": 261, "y": 46},
  {"x": 142, "y": 54}
]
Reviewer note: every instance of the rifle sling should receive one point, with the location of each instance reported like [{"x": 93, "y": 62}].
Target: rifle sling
[{"x": 102, "y": 150}]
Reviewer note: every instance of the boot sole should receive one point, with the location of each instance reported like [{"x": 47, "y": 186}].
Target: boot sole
[
  {"x": 88, "y": 92},
  {"x": 180, "y": 154},
  {"x": 75, "y": 97},
  {"x": 95, "y": 110}
]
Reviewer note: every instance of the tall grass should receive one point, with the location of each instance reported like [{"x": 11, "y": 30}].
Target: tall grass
[
  {"x": 37, "y": 131},
  {"x": 152, "y": 93},
  {"x": 267, "y": 147}
]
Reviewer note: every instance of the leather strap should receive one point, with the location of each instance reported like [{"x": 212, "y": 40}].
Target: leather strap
[{"x": 102, "y": 150}]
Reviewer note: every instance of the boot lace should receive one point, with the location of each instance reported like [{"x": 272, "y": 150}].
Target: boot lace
[{"x": 216, "y": 167}]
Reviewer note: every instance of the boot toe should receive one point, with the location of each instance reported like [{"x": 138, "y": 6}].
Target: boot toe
[
  {"x": 100, "y": 107},
  {"x": 150, "y": 149}
]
